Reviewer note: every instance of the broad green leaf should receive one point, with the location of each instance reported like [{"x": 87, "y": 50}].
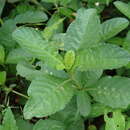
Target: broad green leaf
[
  {"x": 27, "y": 71},
  {"x": 123, "y": 8},
  {"x": 37, "y": 46},
  {"x": 2, "y": 4},
  {"x": 48, "y": 95},
  {"x": 77, "y": 125},
  {"x": 83, "y": 103},
  {"x": 2, "y": 77},
  {"x": 17, "y": 55},
  {"x": 2, "y": 54},
  {"x": 112, "y": 27},
  {"x": 112, "y": 91},
  {"x": 24, "y": 125},
  {"x": 9, "y": 122},
  {"x": 69, "y": 59},
  {"x": 51, "y": 71},
  {"x": 6, "y": 34},
  {"x": 100, "y": 58},
  {"x": 87, "y": 78},
  {"x": 116, "y": 40},
  {"x": 49, "y": 125},
  {"x": 31, "y": 17},
  {"x": 98, "y": 109},
  {"x": 69, "y": 114},
  {"x": 116, "y": 122},
  {"x": 84, "y": 32}
]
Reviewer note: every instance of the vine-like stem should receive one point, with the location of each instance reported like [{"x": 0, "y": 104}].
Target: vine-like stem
[{"x": 20, "y": 94}]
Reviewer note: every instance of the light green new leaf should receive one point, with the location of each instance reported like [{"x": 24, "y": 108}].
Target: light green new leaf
[
  {"x": 37, "y": 46},
  {"x": 83, "y": 103},
  {"x": 17, "y": 55},
  {"x": 117, "y": 122},
  {"x": 9, "y": 122},
  {"x": 2, "y": 77},
  {"x": 27, "y": 71},
  {"x": 107, "y": 56},
  {"x": 85, "y": 31},
  {"x": 50, "y": 30},
  {"x": 113, "y": 26},
  {"x": 2, "y": 54},
  {"x": 49, "y": 125},
  {"x": 48, "y": 95},
  {"x": 112, "y": 91},
  {"x": 31, "y": 17},
  {"x": 123, "y": 7}
]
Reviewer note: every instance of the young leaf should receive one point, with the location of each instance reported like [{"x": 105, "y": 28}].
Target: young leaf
[
  {"x": 69, "y": 59},
  {"x": 37, "y": 46},
  {"x": 49, "y": 125},
  {"x": 48, "y": 95},
  {"x": 113, "y": 26},
  {"x": 31, "y": 17},
  {"x": 112, "y": 91},
  {"x": 100, "y": 58},
  {"x": 123, "y": 7},
  {"x": 83, "y": 103},
  {"x": 85, "y": 31},
  {"x": 2, "y": 54},
  {"x": 2, "y": 77},
  {"x": 9, "y": 122},
  {"x": 50, "y": 30},
  {"x": 117, "y": 122}
]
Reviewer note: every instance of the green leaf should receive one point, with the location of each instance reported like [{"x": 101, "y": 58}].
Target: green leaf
[
  {"x": 83, "y": 103},
  {"x": 31, "y": 17},
  {"x": 127, "y": 124},
  {"x": 87, "y": 78},
  {"x": 117, "y": 122},
  {"x": 2, "y": 54},
  {"x": 48, "y": 95},
  {"x": 69, "y": 59},
  {"x": 112, "y": 91},
  {"x": 98, "y": 109},
  {"x": 100, "y": 58},
  {"x": 49, "y": 125},
  {"x": 2, "y": 4},
  {"x": 17, "y": 55},
  {"x": 6, "y": 34},
  {"x": 113, "y": 26},
  {"x": 24, "y": 125},
  {"x": 2, "y": 77},
  {"x": 50, "y": 30},
  {"x": 123, "y": 8},
  {"x": 27, "y": 71},
  {"x": 85, "y": 31},
  {"x": 92, "y": 127},
  {"x": 9, "y": 122},
  {"x": 37, "y": 46}
]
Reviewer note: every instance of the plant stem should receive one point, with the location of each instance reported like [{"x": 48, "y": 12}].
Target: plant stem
[{"x": 20, "y": 94}]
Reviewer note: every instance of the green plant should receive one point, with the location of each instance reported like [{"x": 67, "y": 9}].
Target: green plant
[{"x": 54, "y": 55}]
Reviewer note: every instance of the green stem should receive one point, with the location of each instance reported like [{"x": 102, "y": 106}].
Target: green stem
[
  {"x": 20, "y": 94},
  {"x": 37, "y": 3}
]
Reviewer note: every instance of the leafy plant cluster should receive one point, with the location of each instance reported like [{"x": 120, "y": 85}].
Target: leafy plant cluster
[{"x": 64, "y": 65}]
